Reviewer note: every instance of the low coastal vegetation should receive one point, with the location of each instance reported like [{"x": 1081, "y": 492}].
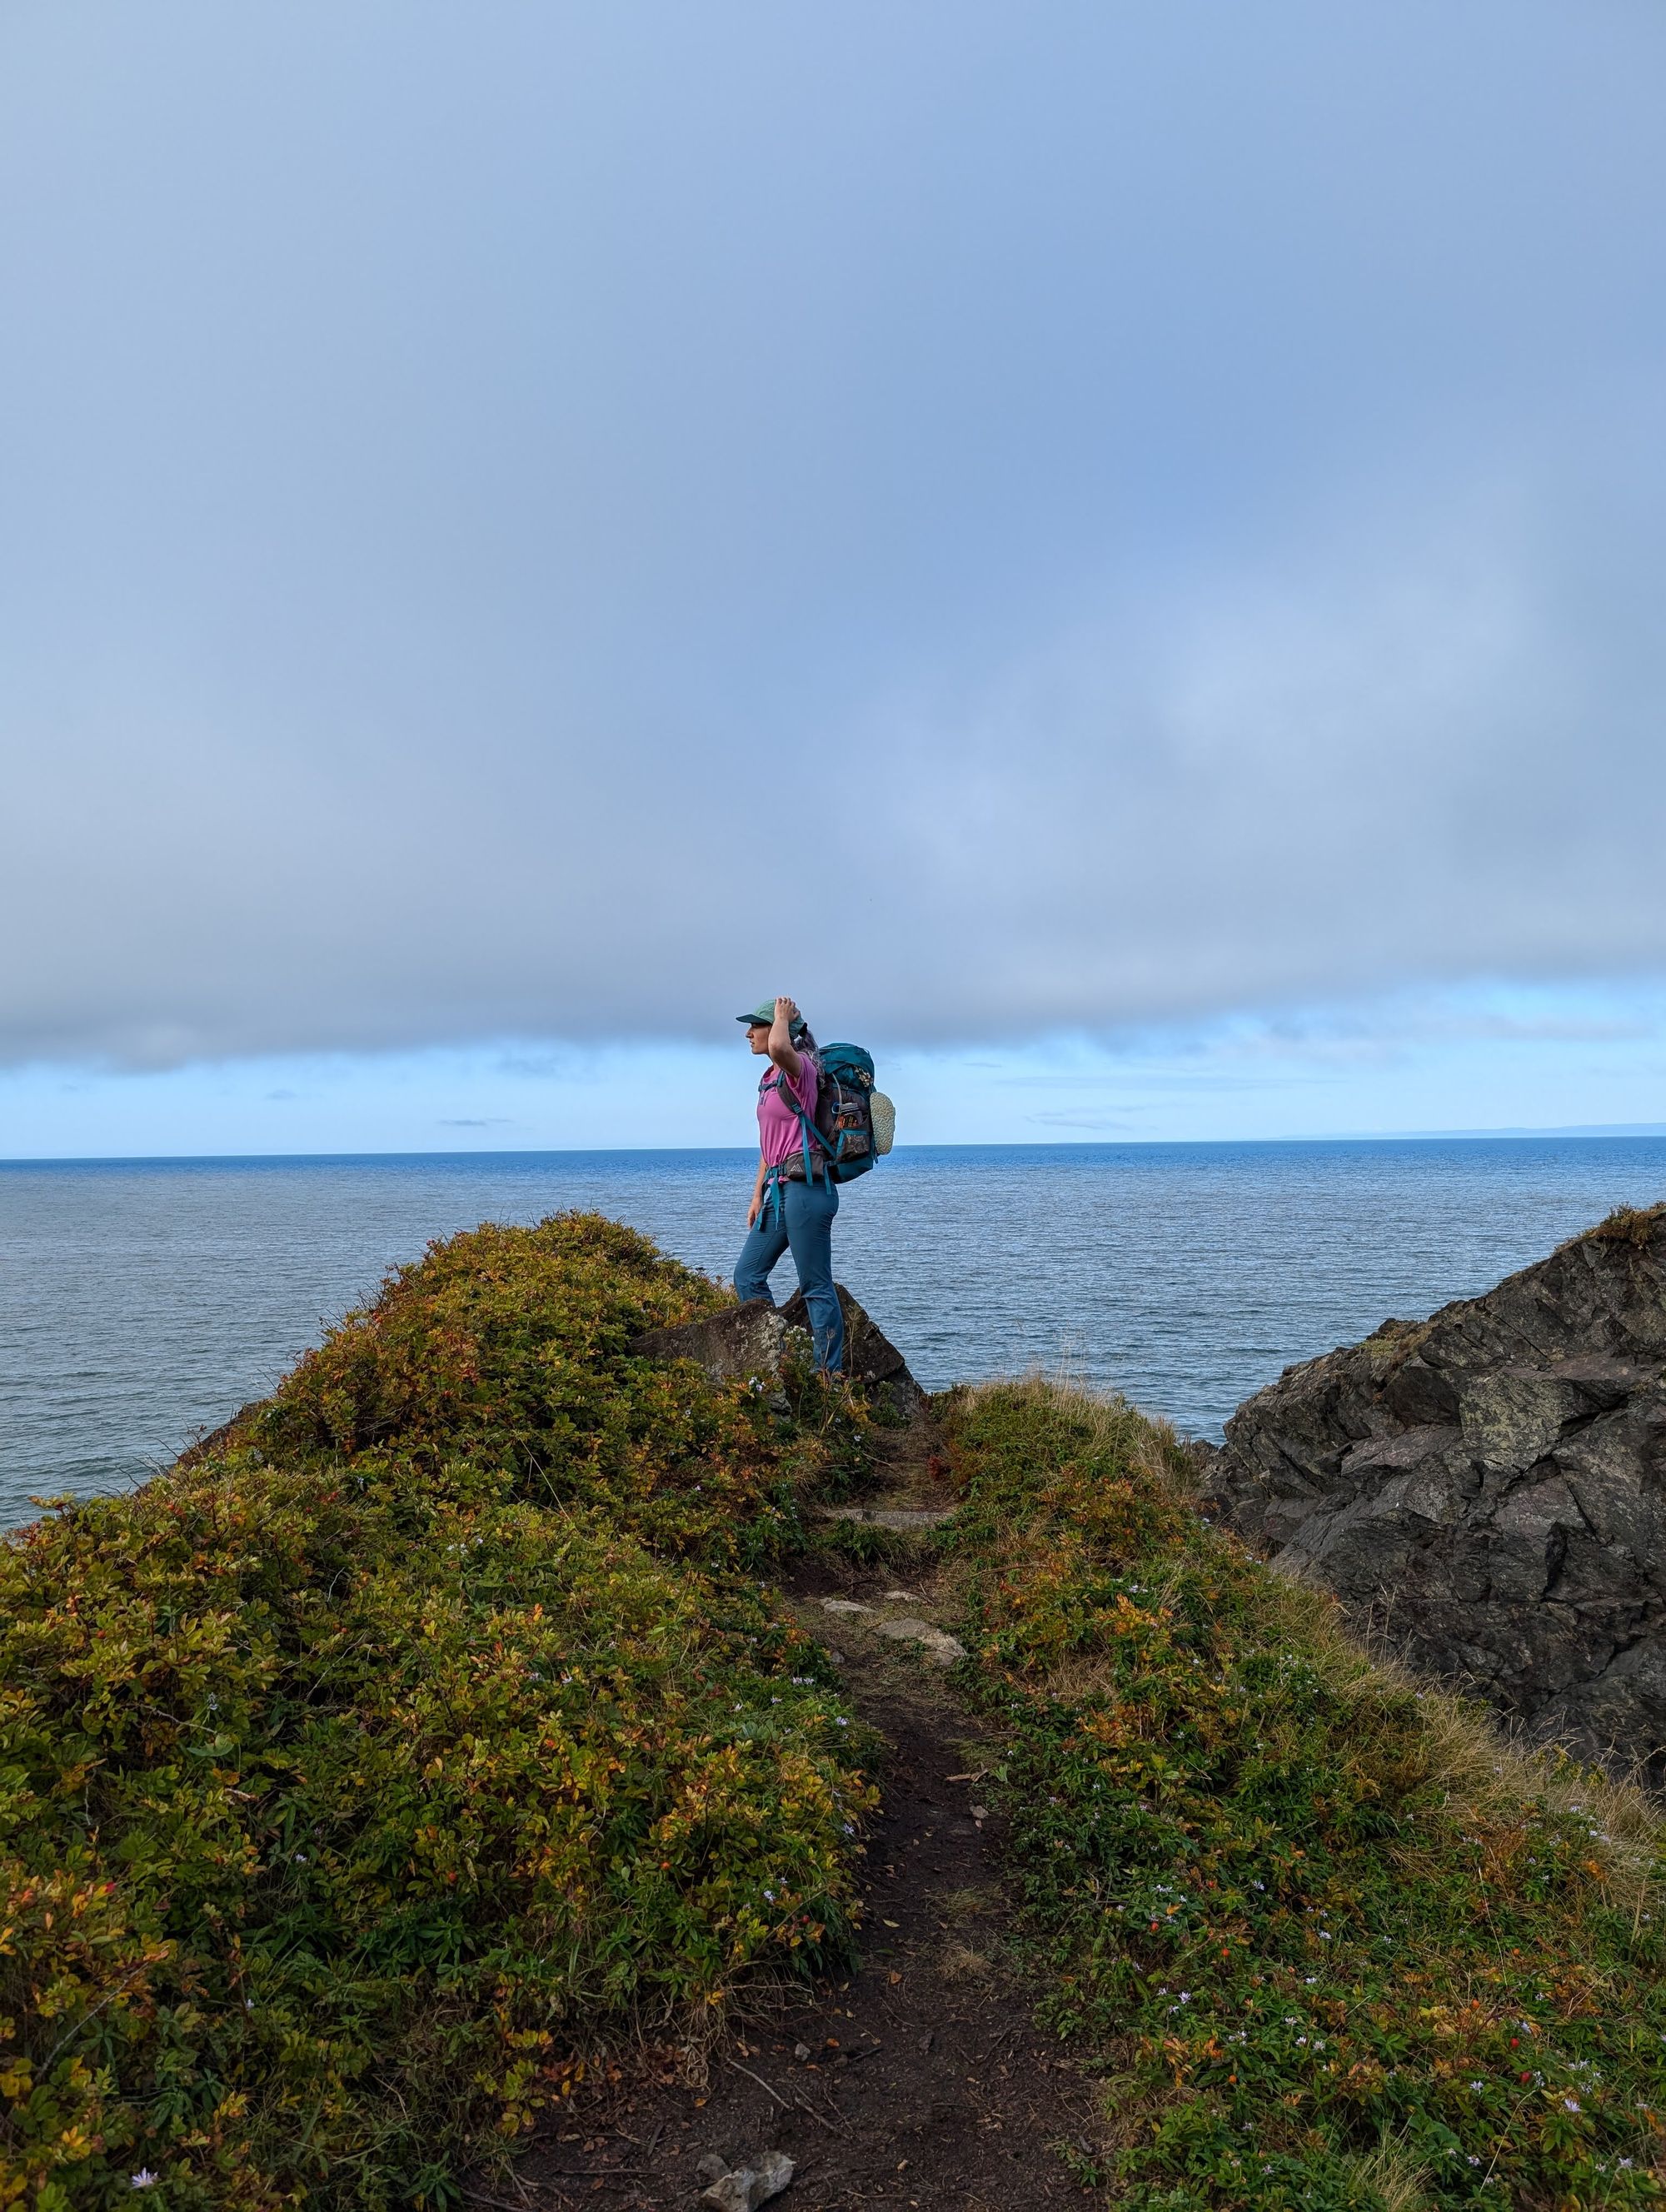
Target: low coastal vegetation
[
  {"x": 358, "y": 1776},
  {"x": 372, "y": 1774},
  {"x": 1339, "y": 1945}
]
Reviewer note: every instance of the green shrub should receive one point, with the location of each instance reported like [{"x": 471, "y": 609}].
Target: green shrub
[
  {"x": 355, "y": 1776},
  {"x": 1340, "y": 1945}
]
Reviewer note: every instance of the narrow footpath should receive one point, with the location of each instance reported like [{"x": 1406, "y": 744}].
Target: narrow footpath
[{"x": 922, "y": 2080}]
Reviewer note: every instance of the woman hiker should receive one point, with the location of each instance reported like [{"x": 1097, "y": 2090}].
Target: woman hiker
[{"x": 794, "y": 1197}]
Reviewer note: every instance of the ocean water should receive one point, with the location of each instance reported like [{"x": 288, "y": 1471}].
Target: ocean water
[{"x": 143, "y": 1301}]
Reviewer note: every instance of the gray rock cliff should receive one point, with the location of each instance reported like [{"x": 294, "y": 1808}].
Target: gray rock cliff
[{"x": 1487, "y": 1488}]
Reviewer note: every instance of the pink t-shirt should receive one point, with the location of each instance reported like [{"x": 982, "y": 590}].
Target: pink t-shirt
[{"x": 780, "y": 1132}]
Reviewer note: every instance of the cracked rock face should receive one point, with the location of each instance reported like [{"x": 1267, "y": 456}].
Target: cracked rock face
[{"x": 1489, "y": 1488}]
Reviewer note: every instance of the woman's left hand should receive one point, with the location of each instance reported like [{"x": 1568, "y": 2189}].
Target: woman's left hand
[{"x": 786, "y": 1012}]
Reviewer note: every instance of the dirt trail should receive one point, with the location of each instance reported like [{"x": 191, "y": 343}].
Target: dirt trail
[{"x": 922, "y": 2080}]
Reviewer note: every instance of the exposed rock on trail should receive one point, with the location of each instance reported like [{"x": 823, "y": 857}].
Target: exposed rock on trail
[
  {"x": 743, "y": 2188},
  {"x": 742, "y": 1342},
  {"x": 737, "y": 1344},
  {"x": 1489, "y": 1487},
  {"x": 905, "y": 1628}
]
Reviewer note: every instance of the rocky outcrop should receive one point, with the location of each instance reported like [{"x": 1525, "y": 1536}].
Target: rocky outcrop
[
  {"x": 1488, "y": 1488},
  {"x": 739, "y": 1343}
]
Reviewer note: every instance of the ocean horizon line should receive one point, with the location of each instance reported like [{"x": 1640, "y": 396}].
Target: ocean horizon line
[{"x": 1578, "y": 1132}]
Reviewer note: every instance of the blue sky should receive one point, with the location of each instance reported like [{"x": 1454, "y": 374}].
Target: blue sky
[{"x": 1116, "y": 552}]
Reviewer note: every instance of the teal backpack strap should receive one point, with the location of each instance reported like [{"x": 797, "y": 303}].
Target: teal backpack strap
[
  {"x": 774, "y": 1198},
  {"x": 808, "y": 1128}
]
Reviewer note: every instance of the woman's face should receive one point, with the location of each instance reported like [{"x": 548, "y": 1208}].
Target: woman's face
[{"x": 759, "y": 1036}]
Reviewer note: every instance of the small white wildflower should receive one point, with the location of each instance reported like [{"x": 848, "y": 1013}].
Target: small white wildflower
[
  {"x": 144, "y": 2178},
  {"x": 1572, "y": 2103}
]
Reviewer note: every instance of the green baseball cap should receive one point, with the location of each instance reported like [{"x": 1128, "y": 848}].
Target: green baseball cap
[{"x": 764, "y": 1017}]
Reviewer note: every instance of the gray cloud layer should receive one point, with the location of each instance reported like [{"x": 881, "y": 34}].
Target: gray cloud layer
[{"x": 546, "y": 521}]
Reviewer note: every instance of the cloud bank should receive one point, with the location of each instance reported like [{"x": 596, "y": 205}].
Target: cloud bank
[{"x": 548, "y": 525}]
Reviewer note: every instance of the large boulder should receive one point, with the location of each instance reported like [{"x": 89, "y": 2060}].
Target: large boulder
[
  {"x": 741, "y": 1343},
  {"x": 1487, "y": 1488}
]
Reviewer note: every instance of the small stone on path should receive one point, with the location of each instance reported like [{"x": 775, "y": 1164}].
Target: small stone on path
[
  {"x": 843, "y": 1604},
  {"x": 748, "y": 2186},
  {"x": 944, "y": 1647}
]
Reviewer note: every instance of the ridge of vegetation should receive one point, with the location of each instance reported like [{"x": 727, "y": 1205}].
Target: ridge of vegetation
[
  {"x": 1342, "y": 1945},
  {"x": 357, "y": 1773},
  {"x": 367, "y": 1776}
]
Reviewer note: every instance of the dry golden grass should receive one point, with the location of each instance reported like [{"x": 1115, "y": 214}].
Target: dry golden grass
[
  {"x": 1629, "y": 1224},
  {"x": 958, "y": 1962},
  {"x": 1149, "y": 1445},
  {"x": 1399, "y": 2182},
  {"x": 1483, "y": 1770},
  {"x": 969, "y": 1904}
]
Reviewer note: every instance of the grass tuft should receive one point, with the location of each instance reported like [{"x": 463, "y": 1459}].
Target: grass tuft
[{"x": 1632, "y": 1225}]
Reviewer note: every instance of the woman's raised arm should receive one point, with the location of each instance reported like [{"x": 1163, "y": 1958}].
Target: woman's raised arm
[{"x": 782, "y": 1048}]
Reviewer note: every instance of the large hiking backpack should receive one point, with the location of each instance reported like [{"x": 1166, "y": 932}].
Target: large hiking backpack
[{"x": 855, "y": 1124}]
